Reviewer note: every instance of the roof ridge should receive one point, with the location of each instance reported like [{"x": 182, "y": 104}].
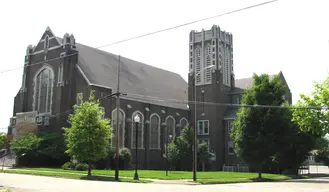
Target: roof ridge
[
  {"x": 112, "y": 54},
  {"x": 251, "y": 76}
]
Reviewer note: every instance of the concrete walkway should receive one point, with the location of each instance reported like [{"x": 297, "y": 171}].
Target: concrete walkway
[
  {"x": 154, "y": 181},
  {"x": 29, "y": 183}
]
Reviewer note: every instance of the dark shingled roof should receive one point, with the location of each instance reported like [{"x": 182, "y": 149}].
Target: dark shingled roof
[{"x": 100, "y": 68}]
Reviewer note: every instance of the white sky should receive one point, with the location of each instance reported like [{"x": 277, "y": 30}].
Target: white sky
[{"x": 288, "y": 35}]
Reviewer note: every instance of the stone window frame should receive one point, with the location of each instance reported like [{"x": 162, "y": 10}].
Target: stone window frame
[
  {"x": 173, "y": 128},
  {"x": 51, "y": 85},
  {"x": 79, "y": 98},
  {"x": 158, "y": 133},
  {"x": 113, "y": 114},
  {"x": 46, "y": 43},
  {"x": 203, "y": 127}
]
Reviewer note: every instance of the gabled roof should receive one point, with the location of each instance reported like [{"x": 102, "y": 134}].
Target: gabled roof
[
  {"x": 100, "y": 68},
  {"x": 245, "y": 83}
]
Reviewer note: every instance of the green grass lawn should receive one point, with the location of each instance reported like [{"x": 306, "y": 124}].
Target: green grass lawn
[
  {"x": 203, "y": 177},
  {"x": 73, "y": 175},
  {"x": 4, "y": 190},
  {"x": 156, "y": 174}
]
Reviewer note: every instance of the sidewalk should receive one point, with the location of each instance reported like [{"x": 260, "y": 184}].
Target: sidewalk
[{"x": 154, "y": 181}]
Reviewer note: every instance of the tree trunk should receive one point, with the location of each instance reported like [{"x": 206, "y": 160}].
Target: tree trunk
[
  {"x": 203, "y": 166},
  {"x": 260, "y": 172},
  {"x": 89, "y": 169}
]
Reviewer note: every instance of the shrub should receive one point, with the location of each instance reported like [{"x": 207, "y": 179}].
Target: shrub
[
  {"x": 124, "y": 158},
  {"x": 67, "y": 165},
  {"x": 81, "y": 167},
  {"x": 125, "y": 155}
]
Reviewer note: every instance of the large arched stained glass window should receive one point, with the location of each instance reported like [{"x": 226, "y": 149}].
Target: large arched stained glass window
[{"x": 43, "y": 90}]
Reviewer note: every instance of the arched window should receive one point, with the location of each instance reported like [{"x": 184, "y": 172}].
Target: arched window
[
  {"x": 43, "y": 90},
  {"x": 183, "y": 122},
  {"x": 122, "y": 119},
  {"x": 208, "y": 63},
  {"x": 155, "y": 131},
  {"x": 60, "y": 74},
  {"x": 198, "y": 64},
  {"x": 170, "y": 122},
  {"x": 46, "y": 43},
  {"x": 140, "y": 131}
]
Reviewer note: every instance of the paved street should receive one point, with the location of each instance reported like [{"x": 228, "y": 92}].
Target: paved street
[{"x": 27, "y": 183}]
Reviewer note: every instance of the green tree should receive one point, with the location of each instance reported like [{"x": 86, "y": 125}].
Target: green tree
[
  {"x": 26, "y": 144},
  {"x": 322, "y": 154},
  {"x": 51, "y": 145},
  {"x": 172, "y": 155},
  {"x": 204, "y": 154},
  {"x": 89, "y": 134},
  {"x": 256, "y": 130},
  {"x": 183, "y": 145},
  {"x": 3, "y": 140},
  {"x": 314, "y": 120}
]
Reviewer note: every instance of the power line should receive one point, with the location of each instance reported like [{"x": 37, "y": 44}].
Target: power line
[
  {"x": 151, "y": 33},
  {"x": 166, "y": 100},
  {"x": 189, "y": 23}
]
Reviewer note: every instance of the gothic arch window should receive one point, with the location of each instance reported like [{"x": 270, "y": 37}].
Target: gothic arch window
[
  {"x": 140, "y": 131},
  {"x": 198, "y": 64},
  {"x": 60, "y": 74},
  {"x": 43, "y": 90},
  {"x": 122, "y": 120},
  {"x": 46, "y": 43},
  {"x": 183, "y": 122},
  {"x": 155, "y": 131},
  {"x": 208, "y": 63},
  {"x": 170, "y": 127}
]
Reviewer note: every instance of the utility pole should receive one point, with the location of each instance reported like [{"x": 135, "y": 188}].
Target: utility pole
[{"x": 118, "y": 122}]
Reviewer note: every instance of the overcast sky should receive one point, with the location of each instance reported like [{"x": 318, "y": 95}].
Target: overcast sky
[{"x": 287, "y": 35}]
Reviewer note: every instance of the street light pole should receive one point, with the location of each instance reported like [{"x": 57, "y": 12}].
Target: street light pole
[
  {"x": 137, "y": 119},
  {"x": 168, "y": 141},
  {"x": 195, "y": 140}
]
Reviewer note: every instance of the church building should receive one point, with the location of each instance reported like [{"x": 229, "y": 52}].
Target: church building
[{"x": 59, "y": 73}]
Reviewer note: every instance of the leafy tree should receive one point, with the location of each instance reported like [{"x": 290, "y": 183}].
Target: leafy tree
[
  {"x": 314, "y": 120},
  {"x": 52, "y": 145},
  {"x": 172, "y": 155},
  {"x": 183, "y": 145},
  {"x": 26, "y": 144},
  {"x": 322, "y": 154},
  {"x": 204, "y": 154},
  {"x": 89, "y": 134},
  {"x": 256, "y": 130},
  {"x": 3, "y": 140},
  {"x": 296, "y": 150}
]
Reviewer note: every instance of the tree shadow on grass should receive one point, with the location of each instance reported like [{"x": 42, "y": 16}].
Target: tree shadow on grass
[
  {"x": 112, "y": 179},
  {"x": 99, "y": 178},
  {"x": 262, "y": 180}
]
